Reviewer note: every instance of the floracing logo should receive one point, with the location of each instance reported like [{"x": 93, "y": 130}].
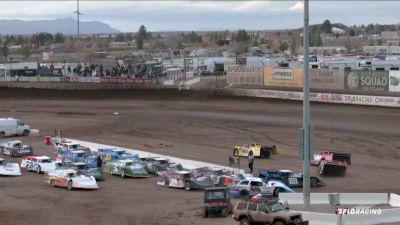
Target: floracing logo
[
  {"x": 352, "y": 80},
  {"x": 358, "y": 211}
]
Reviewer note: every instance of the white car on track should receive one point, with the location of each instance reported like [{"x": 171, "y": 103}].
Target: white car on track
[
  {"x": 38, "y": 163},
  {"x": 9, "y": 169},
  {"x": 70, "y": 179}
]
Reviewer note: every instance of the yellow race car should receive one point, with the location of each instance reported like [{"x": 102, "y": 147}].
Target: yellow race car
[{"x": 261, "y": 151}]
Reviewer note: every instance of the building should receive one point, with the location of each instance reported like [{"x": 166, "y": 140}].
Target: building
[
  {"x": 388, "y": 50},
  {"x": 338, "y": 31},
  {"x": 390, "y": 38},
  {"x": 328, "y": 50},
  {"x": 118, "y": 45}
]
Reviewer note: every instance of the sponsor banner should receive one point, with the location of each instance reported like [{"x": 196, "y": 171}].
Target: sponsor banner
[
  {"x": 367, "y": 80},
  {"x": 394, "y": 81},
  {"x": 95, "y": 79},
  {"x": 74, "y": 79},
  {"x": 327, "y": 79},
  {"x": 323, "y": 97},
  {"x": 244, "y": 75},
  {"x": 65, "y": 79},
  {"x": 84, "y": 79},
  {"x": 283, "y": 77}
]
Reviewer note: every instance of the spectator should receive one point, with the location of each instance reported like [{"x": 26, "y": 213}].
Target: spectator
[{"x": 251, "y": 161}]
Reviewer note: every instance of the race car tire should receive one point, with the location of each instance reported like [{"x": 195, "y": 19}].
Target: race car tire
[
  {"x": 244, "y": 193},
  {"x": 313, "y": 182},
  {"x": 69, "y": 186},
  {"x": 205, "y": 213},
  {"x": 38, "y": 170},
  {"x": 25, "y": 133},
  {"x": 279, "y": 223},
  {"x": 2, "y": 134},
  {"x": 224, "y": 213},
  {"x": 187, "y": 186},
  {"x": 244, "y": 221},
  {"x": 123, "y": 174},
  {"x": 276, "y": 192},
  {"x": 52, "y": 183},
  {"x": 265, "y": 153},
  {"x": 236, "y": 152}
]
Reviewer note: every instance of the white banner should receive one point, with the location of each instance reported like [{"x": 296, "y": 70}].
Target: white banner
[{"x": 394, "y": 81}]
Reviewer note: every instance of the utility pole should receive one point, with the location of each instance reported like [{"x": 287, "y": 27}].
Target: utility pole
[
  {"x": 306, "y": 113},
  {"x": 78, "y": 13}
]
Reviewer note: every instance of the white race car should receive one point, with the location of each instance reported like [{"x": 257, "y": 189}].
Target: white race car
[
  {"x": 38, "y": 163},
  {"x": 70, "y": 179},
  {"x": 9, "y": 169}
]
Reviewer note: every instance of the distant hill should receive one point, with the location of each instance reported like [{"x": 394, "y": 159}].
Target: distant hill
[{"x": 65, "y": 26}]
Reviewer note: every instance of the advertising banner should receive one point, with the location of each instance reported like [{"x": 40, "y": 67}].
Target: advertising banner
[
  {"x": 327, "y": 79},
  {"x": 65, "y": 79},
  {"x": 74, "y": 79},
  {"x": 283, "y": 77},
  {"x": 394, "y": 81},
  {"x": 367, "y": 81},
  {"x": 244, "y": 75}
]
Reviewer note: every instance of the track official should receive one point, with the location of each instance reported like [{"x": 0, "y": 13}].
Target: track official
[{"x": 251, "y": 161}]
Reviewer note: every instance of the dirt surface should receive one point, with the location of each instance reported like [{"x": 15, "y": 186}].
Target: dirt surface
[{"x": 188, "y": 125}]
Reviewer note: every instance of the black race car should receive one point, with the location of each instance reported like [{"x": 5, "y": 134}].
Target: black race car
[{"x": 290, "y": 178}]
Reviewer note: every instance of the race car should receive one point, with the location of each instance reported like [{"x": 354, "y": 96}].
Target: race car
[
  {"x": 253, "y": 186},
  {"x": 125, "y": 168},
  {"x": 332, "y": 168},
  {"x": 82, "y": 155},
  {"x": 116, "y": 153},
  {"x": 38, "y": 163},
  {"x": 290, "y": 178},
  {"x": 331, "y": 156},
  {"x": 258, "y": 150},
  {"x": 67, "y": 145},
  {"x": 9, "y": 169},
  {"x": 16, "y": 148},
  {"x": 85, "y": 169},
  {"x": 159, "y": 165},
  {"x": 185, "y": 180},
  {"x": 70, "y": 179}
]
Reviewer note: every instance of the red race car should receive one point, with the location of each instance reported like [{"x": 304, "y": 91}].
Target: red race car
[{"x": 331, "y": 156}]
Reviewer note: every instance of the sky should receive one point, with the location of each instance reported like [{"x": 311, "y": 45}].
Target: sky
[{"x": 197, "y": 15}]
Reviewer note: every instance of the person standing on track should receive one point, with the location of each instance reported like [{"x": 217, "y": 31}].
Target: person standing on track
[{"x": 251, "y": 161}]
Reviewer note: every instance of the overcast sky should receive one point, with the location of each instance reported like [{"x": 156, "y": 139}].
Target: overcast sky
[{"x": 127, "y": 16}]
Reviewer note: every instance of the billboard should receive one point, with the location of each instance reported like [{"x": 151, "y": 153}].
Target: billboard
[
  {"x": 367, "y": 81},
  {"x": 327, "y": 79},
  {"x": 244, "y": 75},
  {"x": 394, "y": 81},
  {"x": 283, "y": 77}
]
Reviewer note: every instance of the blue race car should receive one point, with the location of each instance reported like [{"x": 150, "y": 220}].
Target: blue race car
[
  {"x": 115, "y": 153},
  {"x": 288, "y": 177}
]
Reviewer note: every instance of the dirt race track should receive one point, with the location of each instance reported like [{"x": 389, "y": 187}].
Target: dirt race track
[{"x": 188, "y": 125}]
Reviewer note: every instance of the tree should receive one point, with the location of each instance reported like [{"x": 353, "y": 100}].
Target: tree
[
  {"x": 283, "y": 46},
  {"x": 5, "y": 50},
  {"x": 326, "y": 27},
  {"x": 139, "y": 43},
  {"x": 352, "y": 32},
  {"x": 26, "y": 51},
  {"x": 59, "y": 38},
  {"x": 242, "y": 36},
  {"x": 293, "y": 44},
  {"x": 120, "y": 37},
  {"x": 141, "y": 35},
  {"x": 348, "y": 44},
  {"x": 20, "y": 40}
]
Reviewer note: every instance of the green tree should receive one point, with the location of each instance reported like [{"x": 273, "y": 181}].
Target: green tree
[
  {"x": 139, "y": 43},
  {"x": 120, "y": 37},
  {"x": 141, "y": 36},
  {"x": 59, "y": 38},
  {"x": 20, "y": 40},
  {"x": 326, "y": 27},
  {"x": 283, "y": 46},
  {"x": 242, "y": 36},
  {"x": 5, "y": 50},
  {"x": 352, "y": 32}
]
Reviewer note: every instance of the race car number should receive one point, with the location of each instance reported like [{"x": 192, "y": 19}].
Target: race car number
[
  {"x": 293, "y": 180},
  {"x": 255, "y": 189}
]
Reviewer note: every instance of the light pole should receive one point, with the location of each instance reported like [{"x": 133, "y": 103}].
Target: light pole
[
  {"x": 306, "y": 113},
  {"x": 78, "y": 13}
]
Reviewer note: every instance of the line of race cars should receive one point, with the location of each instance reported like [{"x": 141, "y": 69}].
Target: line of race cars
[{"x": 78, "y": 167}]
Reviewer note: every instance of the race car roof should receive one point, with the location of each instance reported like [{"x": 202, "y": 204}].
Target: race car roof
[
  {"x": 41, "y": 157},
  {"x": 14, "y": 142},
  {"x": 183, "y": 172},
  {"x": 78, "y": 151},
  {"x": 117, "y": 150},
  {"x": 79, "y": 163}
]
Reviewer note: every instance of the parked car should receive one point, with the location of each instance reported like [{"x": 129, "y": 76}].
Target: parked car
[
  {"x": 217, "y": 201},
  {"x": 184, "y": 179},
  {"x": 16, "y": 148},
  {"x": 13, "y": 127},
  {"x": 272, "y": 212},
  {"x": 290, "y": 178},
  {"x": 38, "y": 164},
  {"x": 70, "y": 179},
  {"x": 9, "y": 169},
  {"x": 125, "y": 168},
  {"x": 261, "y": 151}
]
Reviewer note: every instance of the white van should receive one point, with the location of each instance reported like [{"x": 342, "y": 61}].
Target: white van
[{"x": 12, "y": 127}]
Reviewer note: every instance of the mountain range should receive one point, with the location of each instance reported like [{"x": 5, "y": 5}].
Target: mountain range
[{"x": 65, "y": 26}]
